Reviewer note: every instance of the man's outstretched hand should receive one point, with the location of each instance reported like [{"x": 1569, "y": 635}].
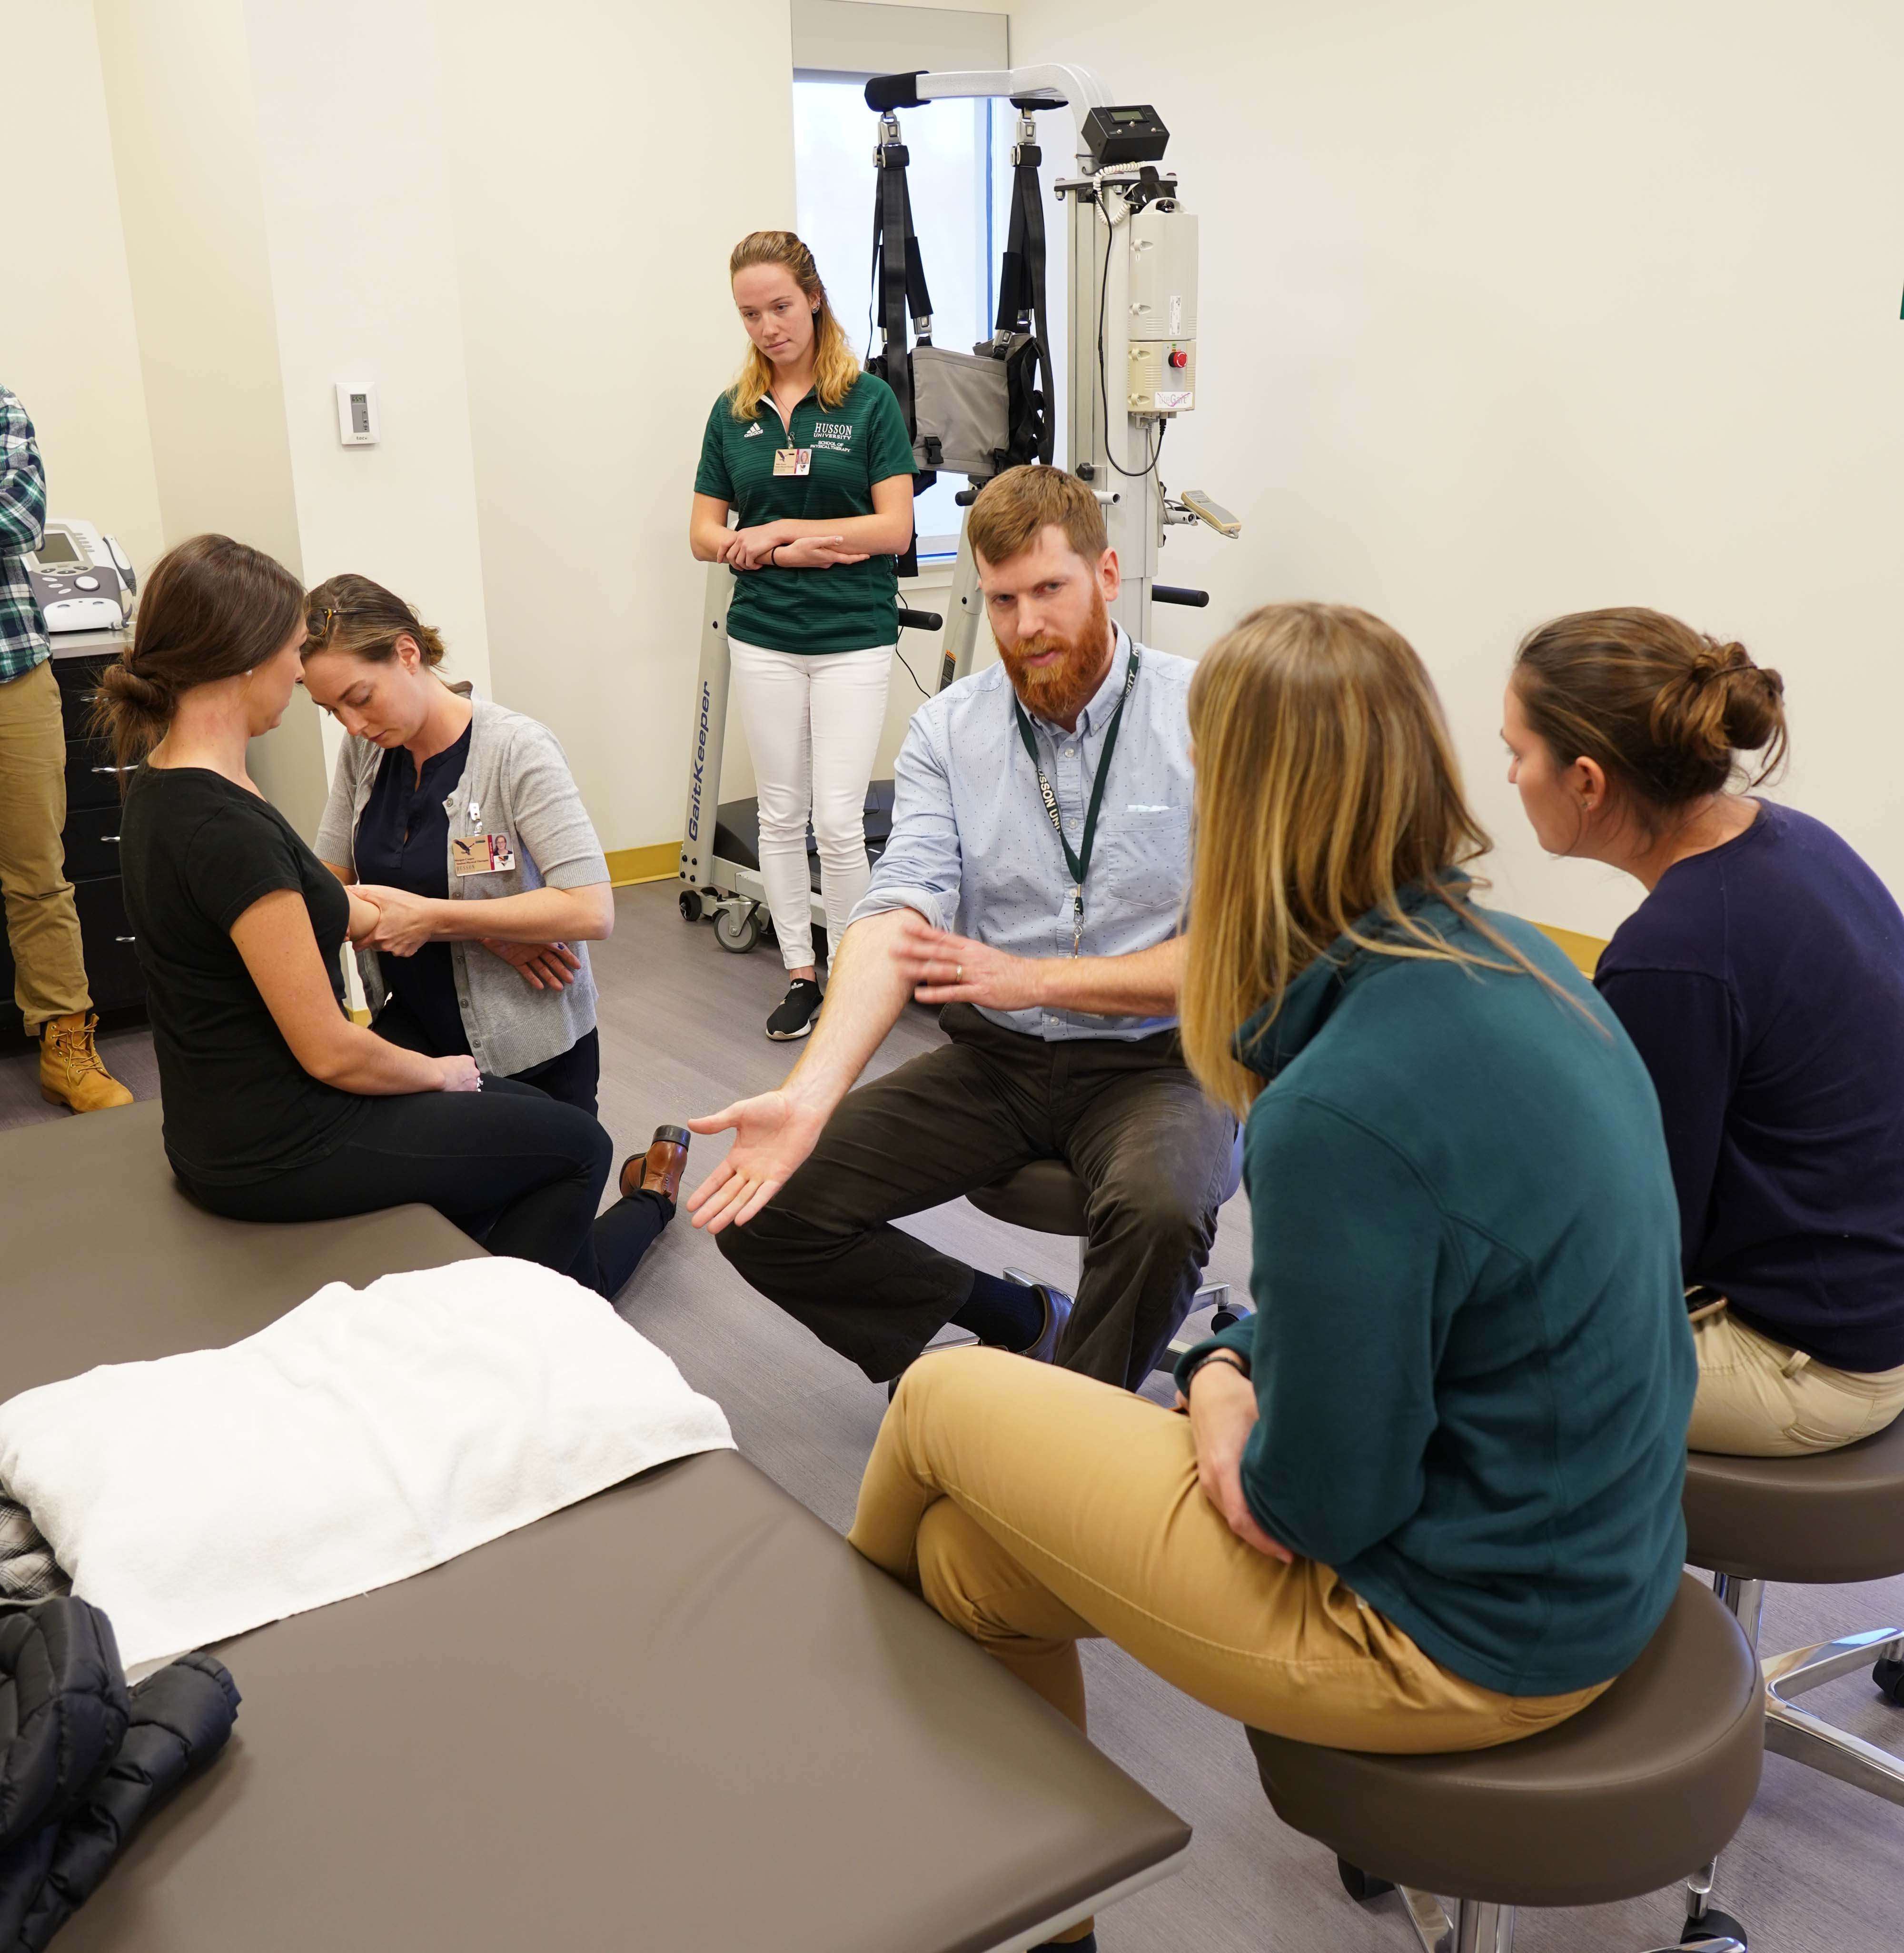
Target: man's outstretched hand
[
  {"x": 773, "y": 1134},
  {"x": 945, "y": 969}
]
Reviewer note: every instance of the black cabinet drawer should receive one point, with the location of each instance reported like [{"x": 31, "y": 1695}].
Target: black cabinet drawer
[
  {"x": 92, "y": 780},
  {"x": 92, "y": 841},
  {"x": 77, "y": 701},
  {"x": 112, "y": 971}
]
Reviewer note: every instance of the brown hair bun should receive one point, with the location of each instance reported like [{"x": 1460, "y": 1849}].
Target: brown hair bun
[
  {"x": 212, "y": 608},
  {"x": 1660, "y": 706},
  {"x": 132, "y": 692}
]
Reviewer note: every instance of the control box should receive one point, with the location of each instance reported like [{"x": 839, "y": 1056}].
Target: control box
[
  {"x": 1162, "y": 273},
  {"x": 1163, "y": 376},
  {"x": 1135, "y": 134},
  {"x": 1163, "y": 319}
]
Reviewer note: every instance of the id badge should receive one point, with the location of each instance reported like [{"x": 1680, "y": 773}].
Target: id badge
[
  {"x": 481, "y": 853},
  {"x": 792, "y": 460}
]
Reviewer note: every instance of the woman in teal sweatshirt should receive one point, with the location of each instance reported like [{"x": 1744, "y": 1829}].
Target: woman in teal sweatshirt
[{"x": 1440, "y": 1468}]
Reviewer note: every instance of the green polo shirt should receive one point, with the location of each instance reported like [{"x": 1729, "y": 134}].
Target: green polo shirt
[{"x": 851, "y": 606}]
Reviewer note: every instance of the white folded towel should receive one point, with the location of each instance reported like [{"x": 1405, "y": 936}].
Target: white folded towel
[{"x": 365, "y": 1436}]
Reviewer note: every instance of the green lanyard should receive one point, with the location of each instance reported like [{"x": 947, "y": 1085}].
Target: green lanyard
[{"x": 1078, "y": 862}]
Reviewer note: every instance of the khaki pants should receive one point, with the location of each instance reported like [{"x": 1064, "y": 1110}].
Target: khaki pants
[
  {"x": 1759, "y": 1399},
  {"x": 1032, "y": 1507},
  {"x": 42, "y": 925}
]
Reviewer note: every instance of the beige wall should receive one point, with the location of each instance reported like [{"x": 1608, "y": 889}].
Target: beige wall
[
  {"x": 283, "y": 169},
  {"x": 360, "y": 230},
  {"x": 1512, "y": 310},
  {"x": 607, "y": 156},
  {"x": 177, "y": 84},
  {"x": 68, "y": 347}
]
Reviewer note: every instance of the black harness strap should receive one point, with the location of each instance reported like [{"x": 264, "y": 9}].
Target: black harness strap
[
  {"x": 1032, "y": 435},
  {"x": 899, "y": 276}
]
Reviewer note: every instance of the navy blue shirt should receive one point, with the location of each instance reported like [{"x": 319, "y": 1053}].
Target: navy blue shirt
[
  {"x": 1763, "y": 982},
  {"x": 403, "y": 841}
]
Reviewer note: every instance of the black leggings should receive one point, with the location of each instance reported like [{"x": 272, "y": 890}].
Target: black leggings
[
  {"x": 573, "y": 1076},
  {"x": 511, "y": 1166}
]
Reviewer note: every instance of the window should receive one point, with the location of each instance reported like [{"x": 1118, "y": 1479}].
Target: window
[{"x": 960, "y": 176}]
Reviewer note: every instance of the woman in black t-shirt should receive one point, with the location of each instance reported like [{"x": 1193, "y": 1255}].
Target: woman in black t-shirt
[{"x": 277, "y": 1106}]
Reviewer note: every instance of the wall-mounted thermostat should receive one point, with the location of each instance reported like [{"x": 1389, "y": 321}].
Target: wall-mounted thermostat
[{"x": 357, "y": 413}]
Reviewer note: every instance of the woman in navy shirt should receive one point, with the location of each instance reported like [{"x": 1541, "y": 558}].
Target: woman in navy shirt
[{"x": 1762, "y": 980}]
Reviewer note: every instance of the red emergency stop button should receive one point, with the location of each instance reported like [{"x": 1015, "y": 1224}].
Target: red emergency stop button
[{"x": 1179, "y": 358}]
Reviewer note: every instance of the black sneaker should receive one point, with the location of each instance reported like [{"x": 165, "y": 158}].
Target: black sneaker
[{"x": 793, "y": 1016}]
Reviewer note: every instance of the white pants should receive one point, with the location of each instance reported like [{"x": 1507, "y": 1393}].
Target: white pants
[{"x": 813, "y": 724}]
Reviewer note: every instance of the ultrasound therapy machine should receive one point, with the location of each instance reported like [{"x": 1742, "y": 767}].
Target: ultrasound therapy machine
[
  {"x": 81, "y": 580},
  {"x": 1132, "y": 328}
]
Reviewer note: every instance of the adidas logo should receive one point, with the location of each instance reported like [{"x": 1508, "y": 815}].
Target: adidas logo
[{"x": 753, "y": 432}]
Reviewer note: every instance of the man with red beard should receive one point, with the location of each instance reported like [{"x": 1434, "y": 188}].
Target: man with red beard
[{"x": 1033, "y": 888}]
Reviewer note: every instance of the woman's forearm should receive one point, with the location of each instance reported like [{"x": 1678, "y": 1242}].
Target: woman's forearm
[
  {"x": 877, "y": 535},
  {"x": 363, "y": 918},
  {"x": 585, "y": 914},
  {"x": 359, "y": 1061}
]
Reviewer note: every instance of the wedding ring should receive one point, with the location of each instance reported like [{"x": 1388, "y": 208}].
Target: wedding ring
[{"x": 960, "y": 968}]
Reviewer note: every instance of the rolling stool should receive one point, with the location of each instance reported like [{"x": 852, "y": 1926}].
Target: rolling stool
[
  {"x": 1653, "y": 1776},
  {"x": 1832, "y": 1517},
  {"x": 1046, "y": 1196}
]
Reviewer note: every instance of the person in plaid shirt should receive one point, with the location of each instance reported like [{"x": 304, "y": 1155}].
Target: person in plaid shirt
[{"x": 42, "y": 924}]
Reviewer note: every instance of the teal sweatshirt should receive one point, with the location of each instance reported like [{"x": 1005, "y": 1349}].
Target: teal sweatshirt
[{"x": 1470, "y": 1348}]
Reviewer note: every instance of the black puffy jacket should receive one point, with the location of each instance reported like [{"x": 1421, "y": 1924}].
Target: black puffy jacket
[{"x": 84, "y": 1759}]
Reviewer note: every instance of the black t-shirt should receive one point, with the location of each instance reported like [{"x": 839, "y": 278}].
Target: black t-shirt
[
  {"x": 196, "y": 850},
  {"x": 402, "y": 841}
]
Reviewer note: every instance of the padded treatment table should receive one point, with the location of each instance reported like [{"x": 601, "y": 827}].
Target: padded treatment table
[{"x": 684, "y": 1716}]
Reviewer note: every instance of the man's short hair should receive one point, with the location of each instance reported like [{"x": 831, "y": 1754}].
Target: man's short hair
[{"x": 1013, "y": 510}]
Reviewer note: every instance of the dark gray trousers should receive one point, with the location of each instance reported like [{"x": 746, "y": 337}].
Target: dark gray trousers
[{"x": 1128, "y": 1117}]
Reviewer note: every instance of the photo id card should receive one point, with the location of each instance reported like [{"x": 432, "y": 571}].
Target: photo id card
[
  {"x": 792, "y": 461},
  {"x": 481, "y": 853}
]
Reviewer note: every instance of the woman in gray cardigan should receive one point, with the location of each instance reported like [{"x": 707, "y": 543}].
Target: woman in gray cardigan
[{"x": 459, "y": 819}]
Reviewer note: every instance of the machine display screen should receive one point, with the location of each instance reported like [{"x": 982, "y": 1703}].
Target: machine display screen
[
  {"x": 1127, "y": 115},
  {"x": 56, "y": 551}
]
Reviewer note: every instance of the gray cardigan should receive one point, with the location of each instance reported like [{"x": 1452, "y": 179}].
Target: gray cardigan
[{"x": 518, "y": 783}]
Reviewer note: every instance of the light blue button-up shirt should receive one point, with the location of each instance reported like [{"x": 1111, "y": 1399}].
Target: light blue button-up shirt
[{"x": 972, "y": 849}]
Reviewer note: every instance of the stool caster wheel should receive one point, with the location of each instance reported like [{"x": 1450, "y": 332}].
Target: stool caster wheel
[
  {"x": 1889, "y": 1676},
  {"x": 1361, "y": 1886},
  {"x": 1711, "y": 1924},
  {"x": 690, "y": 905}
]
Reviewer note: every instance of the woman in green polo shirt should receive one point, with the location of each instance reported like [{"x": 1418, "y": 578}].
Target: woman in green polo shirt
[{"x": 813, "y": 454}]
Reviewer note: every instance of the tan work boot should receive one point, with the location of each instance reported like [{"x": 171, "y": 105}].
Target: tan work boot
[{"x": 71, "y": 1071}]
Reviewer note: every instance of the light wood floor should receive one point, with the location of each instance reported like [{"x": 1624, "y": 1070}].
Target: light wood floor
[{"x": 1817, "y": 1868}]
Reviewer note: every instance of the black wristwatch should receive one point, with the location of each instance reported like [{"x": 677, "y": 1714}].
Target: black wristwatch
[{"x": 1221, "y": 1353}]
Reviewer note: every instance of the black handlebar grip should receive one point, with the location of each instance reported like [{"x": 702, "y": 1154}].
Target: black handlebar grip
[
  {"x": 965, "y": 497},
  {"x": 921, "y": 620},
  {"x": 893, "y": 91},
  {"x": 1172, "y": 593}
]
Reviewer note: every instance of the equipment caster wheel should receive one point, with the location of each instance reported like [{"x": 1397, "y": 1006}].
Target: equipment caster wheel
[
  {"x": 737, "y": 932},
  {"x": 690, "y": 905},
  {"x": 1361, "y": 1886},
  {"x": 1889, "y": 1676},
  {"x": 1712, "y": 1924}
]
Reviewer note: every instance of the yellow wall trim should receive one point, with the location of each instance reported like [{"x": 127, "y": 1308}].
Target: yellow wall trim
[
  {"x": 659, "y": 862},
  {"x": 1583, "y": 952}
]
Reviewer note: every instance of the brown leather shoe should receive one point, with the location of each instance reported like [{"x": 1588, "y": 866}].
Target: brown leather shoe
[
  {"x": 1044, "y": 1347},
  {"x": 659, "y": 1169},
  {"x": 71, "y": 1072}
]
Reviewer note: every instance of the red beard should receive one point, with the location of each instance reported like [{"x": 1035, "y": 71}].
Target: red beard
[{"x": 1060, "y": 691}]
